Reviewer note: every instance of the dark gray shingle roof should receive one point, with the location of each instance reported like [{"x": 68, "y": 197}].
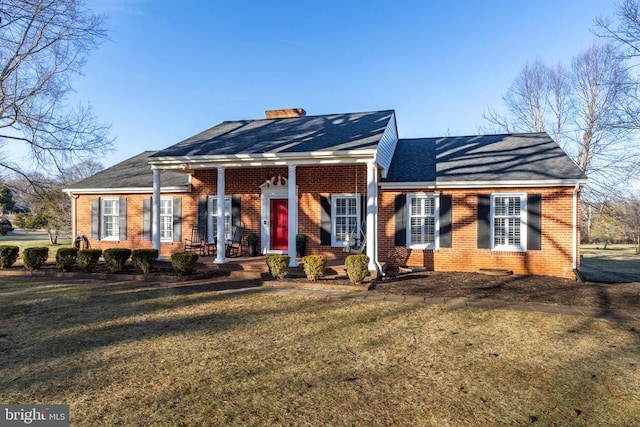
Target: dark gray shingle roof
[
  {"x": 334, "y": 132},
  {"x": 131, "y": 173},
  {"x": 508, "y": 157}
]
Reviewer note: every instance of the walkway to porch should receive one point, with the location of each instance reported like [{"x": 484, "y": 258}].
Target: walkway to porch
[{"x": 255, "y": 267}]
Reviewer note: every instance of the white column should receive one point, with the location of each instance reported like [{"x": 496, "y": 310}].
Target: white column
[
  {"x": 372, "y": 195},
  {"x": 221, "y": 246},
  {"x": 292, "y": 226},
  {"x": 155, "y": 221}
]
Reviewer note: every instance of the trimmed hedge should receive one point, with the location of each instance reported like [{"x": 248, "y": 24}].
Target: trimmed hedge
[
  {"x": 143, "y": 259},
  {"x": 184, "y": 263},
  {"x": 8, "y": 255},
  {"x": 66, "y": 258},
  {"x": 88, "y": 259},
  {"x": 314, "y": 266},
  {"x": 115, "y": 258},
  {"x": 34, "y": 258},
  {"x": 278, "y": 266},
  {"x": 357, "y": 268}
]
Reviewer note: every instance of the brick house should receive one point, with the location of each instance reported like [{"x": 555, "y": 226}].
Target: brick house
[{"x": 449, "y": 204}]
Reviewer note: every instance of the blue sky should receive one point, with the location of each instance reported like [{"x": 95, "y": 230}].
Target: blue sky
[{"x": 171, "y": 69}]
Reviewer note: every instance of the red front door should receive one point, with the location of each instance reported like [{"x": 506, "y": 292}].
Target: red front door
[{"x": 279, "y": 224}]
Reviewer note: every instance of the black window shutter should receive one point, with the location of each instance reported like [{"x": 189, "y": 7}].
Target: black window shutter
[
  {"x": 484, "y": 221},
  {"x": 146, "y": 218},
  {"x": 236, "y": 218},
  {"x": 325, "y": 220},
  {"x": 202, "y": 213},
  {"x": 177, "y": 219},
  {"x": 534, "y": 222},
  {"x": 445, "y": 221},
  {"x": 122, "y": 219},
  {"x": 95, "y": 218},
  {"x": 400, "y": 209}
]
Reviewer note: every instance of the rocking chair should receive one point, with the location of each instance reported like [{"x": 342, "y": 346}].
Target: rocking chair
[
  {"x": 198, "y": 242},
  {"x": 234, "y": 245}
]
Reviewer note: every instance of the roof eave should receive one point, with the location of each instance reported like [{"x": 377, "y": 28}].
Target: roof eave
[
  {"x": 127, "y": 190},
  {"x": 408, "y": 185},
  {"x": 262, "y": 159}
]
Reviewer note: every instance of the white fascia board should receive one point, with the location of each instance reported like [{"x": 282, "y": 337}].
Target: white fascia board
[
  {"x": 312, "y": 157},
  {"x": 126, "y": 190},
  {"x": 203, "y": 162},
  {"x": 481, "y": 184}
]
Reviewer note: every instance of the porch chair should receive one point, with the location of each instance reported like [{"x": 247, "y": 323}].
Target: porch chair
[
  {"x": 234, "y": 245},
  {"x": 198, "y": 242},
  {"x": 356, "y": 245}
]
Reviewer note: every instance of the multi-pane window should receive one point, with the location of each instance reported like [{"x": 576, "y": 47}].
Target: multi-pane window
[
  {"x": 110, "y": 218},
  {"x": 213, "y": 225},
  {"x": 422, "y": 220},
  {"x": 166, "y": 219},
  {"x": 508, "y": 221},
  {"x": 346, "y": 215}
]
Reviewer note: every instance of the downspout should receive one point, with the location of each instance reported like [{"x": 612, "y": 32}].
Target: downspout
[
  {"x": 375, "y": 229},
  {"x": 574, "y": 257}
]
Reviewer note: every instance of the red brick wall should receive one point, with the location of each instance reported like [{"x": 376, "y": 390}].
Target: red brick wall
[
  {"x": 316, "y": 181},
  {"x": 554, "y": 259},
  {"x": 134, "y": 223},
  {"x": 312, "y": 181}
]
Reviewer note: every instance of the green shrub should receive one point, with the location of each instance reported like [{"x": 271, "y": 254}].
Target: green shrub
[
  {"x": 143, "y": 259},
  {"x": 88, "y": 259},
  {"x": 5, "y": 226},
  {"x": 34, "y": 258},
  {"x": 184, "y": 263},
  {"x": 278, "y": 266},
  {"x": 357, "y": 268},
  {"x": 8, "y": 255},
  {"x": 115, "y": 258},
  {"x": 66, "y": 258},
  {"x": 314, "y": 266}
]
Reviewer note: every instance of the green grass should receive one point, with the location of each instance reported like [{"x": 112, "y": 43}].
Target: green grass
[
  {"x": 621, "y": 260},
  {"x": 34, "y": 239},
  {"x": 135, "y": 356}
]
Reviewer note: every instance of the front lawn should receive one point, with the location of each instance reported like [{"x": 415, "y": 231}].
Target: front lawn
[{"x": 131, "y": 356}]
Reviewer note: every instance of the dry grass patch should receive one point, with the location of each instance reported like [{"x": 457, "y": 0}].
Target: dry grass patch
[{"x": 141, "y": 356}]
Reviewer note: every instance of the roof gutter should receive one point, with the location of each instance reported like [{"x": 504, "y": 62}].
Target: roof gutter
[
  {"x": 432, "y": 185},
  {"x": 126, "y": 190}
]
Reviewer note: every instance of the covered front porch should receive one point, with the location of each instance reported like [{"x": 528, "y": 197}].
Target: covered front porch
[{"x": 278, "y": 202}]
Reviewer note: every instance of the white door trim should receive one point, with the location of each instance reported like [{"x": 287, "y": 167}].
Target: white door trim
[{"x": 275, "y": 188}]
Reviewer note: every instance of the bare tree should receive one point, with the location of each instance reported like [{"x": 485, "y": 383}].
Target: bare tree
[
  {"x": 585, "y": 108},
  {"x": 43, "y": 45},
  {"x": 80, "y": 171},
  {"x": 601, "y": 89},
  {"x": 628, "y": 214},
  {"x": 624, "y": 29}
]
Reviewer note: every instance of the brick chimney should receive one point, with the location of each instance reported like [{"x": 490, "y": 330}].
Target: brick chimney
[{"x": 286, "y": 113}]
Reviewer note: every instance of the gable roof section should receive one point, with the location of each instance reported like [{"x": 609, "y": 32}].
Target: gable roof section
[
  {"x": 131, "y": 175},
  {"x": 324, "y": 133},
  {"x": 508, "y": 159}
]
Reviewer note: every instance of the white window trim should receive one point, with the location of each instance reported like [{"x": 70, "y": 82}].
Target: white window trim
[
  {"x": 436, "y": 225},
  {"x": 102, "y": 221},
  {"x": 213, "y": 214},
  {"x": 167, "y": 239},
  {"x": 522, "y": 247},
  {"x": 334, "y": 197}
]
